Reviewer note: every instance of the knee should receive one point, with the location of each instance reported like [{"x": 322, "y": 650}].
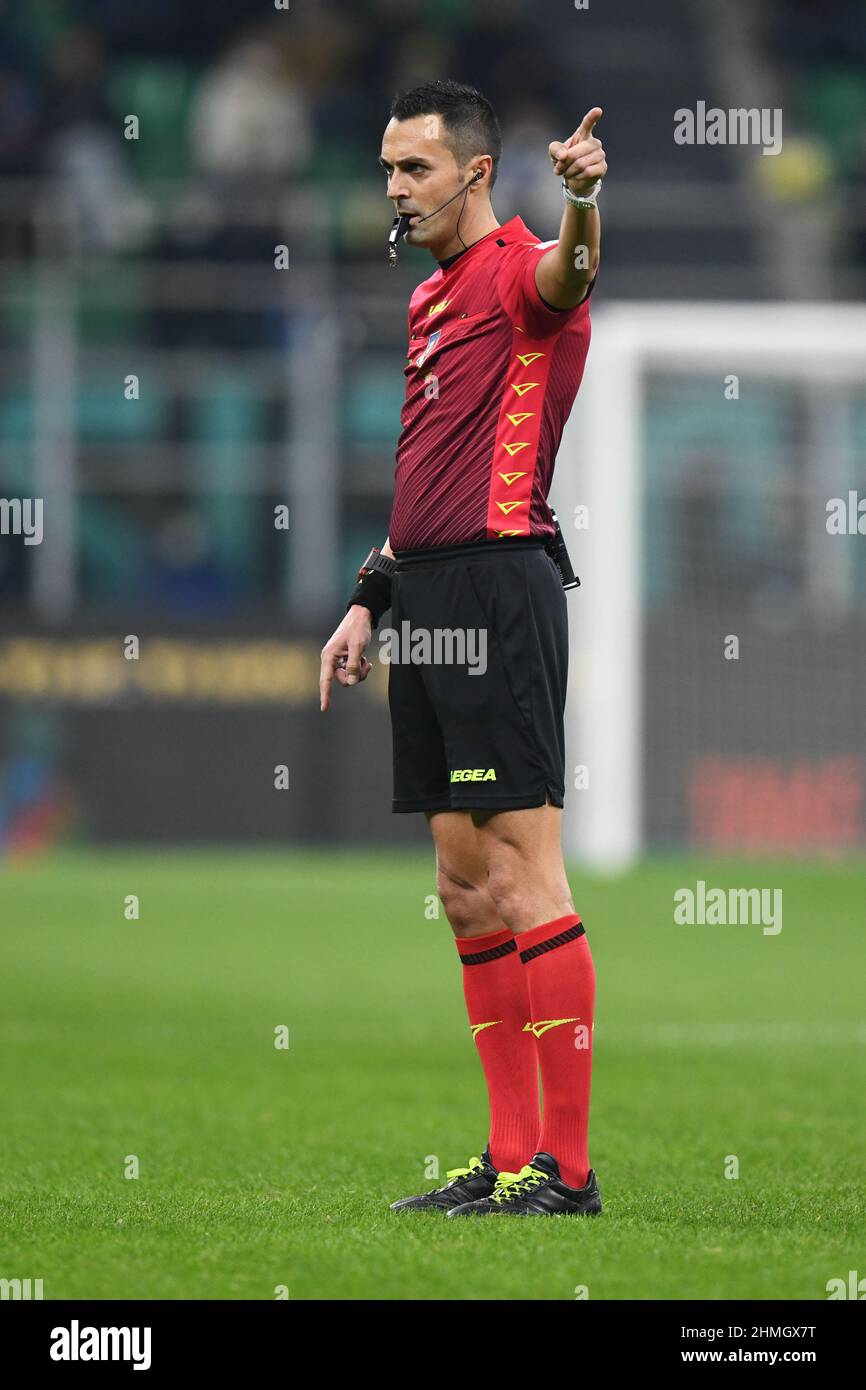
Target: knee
[
  {"x": 507, "y": 886},
  {"x": 523, "y": 893},
  {"x": 467, "y": 906}
]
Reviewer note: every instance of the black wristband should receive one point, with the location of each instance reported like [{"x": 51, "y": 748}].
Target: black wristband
[{"x": 373, "y": 590}]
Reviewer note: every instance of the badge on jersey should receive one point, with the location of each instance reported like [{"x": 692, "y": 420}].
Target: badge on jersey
[{"x": 431, "y": 343}]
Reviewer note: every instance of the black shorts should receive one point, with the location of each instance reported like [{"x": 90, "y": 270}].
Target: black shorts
[{"x": 477, "y": 692}]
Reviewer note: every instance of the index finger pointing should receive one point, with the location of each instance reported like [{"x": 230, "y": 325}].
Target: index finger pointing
[
  {"x": 326, "y": 677},
  {"x": 586, "y": 126}
]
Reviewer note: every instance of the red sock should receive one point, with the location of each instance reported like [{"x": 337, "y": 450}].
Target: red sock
[
  {"x": 560, "y": 977},
  {"x": 494, "y": 983}
]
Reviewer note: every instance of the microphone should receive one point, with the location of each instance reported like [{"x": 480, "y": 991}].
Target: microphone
[{"x": 400, "y": 225}]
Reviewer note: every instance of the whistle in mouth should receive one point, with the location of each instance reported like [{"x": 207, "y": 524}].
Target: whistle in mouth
[{"x": 399, "y": 227}]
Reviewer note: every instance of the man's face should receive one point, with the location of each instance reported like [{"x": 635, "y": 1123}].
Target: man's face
[{"x": 422, "y": 173}]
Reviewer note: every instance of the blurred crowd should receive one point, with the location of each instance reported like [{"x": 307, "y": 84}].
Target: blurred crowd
[
  {"x": 820, "y": 52},
  {"x": 222, "y": 93},
  {"x": 241, "y": 107},
  {"x": 302, "y": 94}
]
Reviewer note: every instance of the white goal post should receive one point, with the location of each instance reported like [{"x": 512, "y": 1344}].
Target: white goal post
[{"x": 600, "y": 467}]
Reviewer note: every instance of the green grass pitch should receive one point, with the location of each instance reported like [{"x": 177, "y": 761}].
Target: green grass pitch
[{"x": 262, "y": 1168}]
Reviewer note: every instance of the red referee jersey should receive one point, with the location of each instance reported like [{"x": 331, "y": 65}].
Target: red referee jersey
[{"x": 491, "y": 376}]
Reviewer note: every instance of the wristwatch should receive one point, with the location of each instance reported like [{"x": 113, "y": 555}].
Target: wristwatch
[
  {"x": 377, "y": 561},
  {"x": 582, "y": 200}
]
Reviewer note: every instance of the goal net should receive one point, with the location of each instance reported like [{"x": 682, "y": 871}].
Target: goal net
[{"x": 711, "y": 484}]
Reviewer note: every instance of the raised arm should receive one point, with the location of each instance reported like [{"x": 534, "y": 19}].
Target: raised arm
[{"x": 564, "y": 274}]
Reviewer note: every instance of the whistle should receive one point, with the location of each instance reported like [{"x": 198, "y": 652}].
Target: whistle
[{"x": 399, "y": 227}]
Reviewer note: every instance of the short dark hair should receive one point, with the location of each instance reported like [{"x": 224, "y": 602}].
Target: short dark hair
[{"x": 471, "y": 126}]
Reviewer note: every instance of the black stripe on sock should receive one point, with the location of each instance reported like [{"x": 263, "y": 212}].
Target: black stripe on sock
[
  {"x": 551, "y": 944},
  {"x": 483, "y": 957}
]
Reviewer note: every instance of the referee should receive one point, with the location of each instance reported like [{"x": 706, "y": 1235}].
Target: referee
[{"x": 498, "y": 337}]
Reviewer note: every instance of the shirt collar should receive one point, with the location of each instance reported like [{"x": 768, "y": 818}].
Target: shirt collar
[{"x": 512, "y": 230}]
